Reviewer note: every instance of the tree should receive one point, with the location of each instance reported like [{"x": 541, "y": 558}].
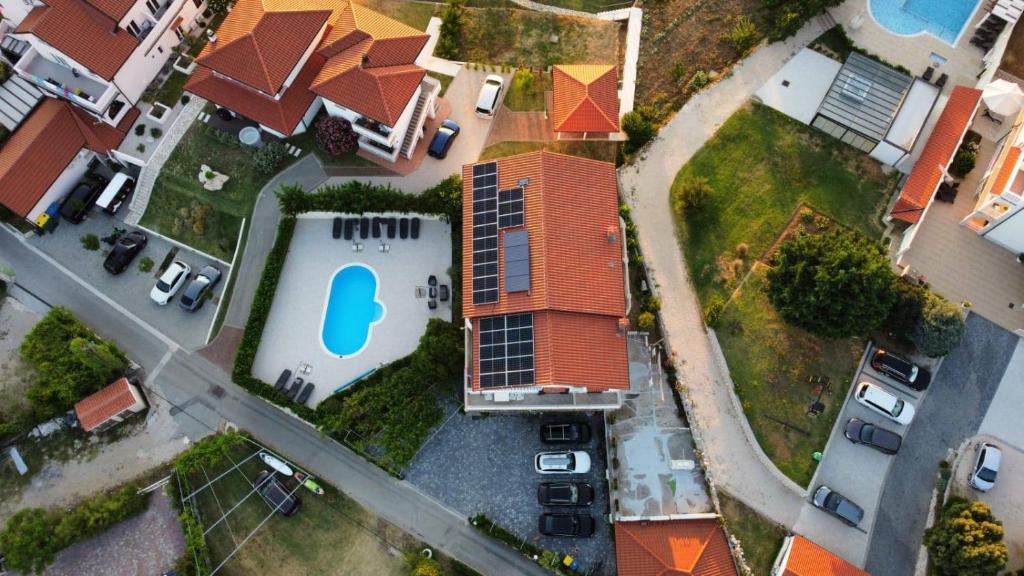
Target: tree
[
  {"x": 836, "y": 284},
  {"x": 693, "y": 194},
  {"x": 27, "y": 540},
  {"x": 335, "y": 136},
  {"x": 219, "y": 6},
  {"x": 787, "y": 16},
  {"x": 639, "y": 126},
  {"x": 449, "y": 39},
  {"x": 940, "y": 327},
  {"x": 906, "y": 311},
  {"x": 966, "y": 541}
]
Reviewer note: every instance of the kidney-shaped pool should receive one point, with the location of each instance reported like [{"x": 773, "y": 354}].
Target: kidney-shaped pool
[{"x": 351, "y": 310}]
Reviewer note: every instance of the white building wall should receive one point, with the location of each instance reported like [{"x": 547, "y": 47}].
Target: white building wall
[
  {"x": 1009, "y": 232},
  {"x": 64, "y": 183},
  {"x": 16, "y": 10}
]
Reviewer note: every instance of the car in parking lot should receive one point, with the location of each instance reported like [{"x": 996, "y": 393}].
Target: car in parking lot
[
  {"x": 861, "y": 432},
  {"x": 567, "y": 462},
  {"x": 986, "y": 467},
  {"x": 900, "y": 369},
  {"x": 125, "y": 250},
  {"x": 876, "y": 398},
  {"x": 837, "y": 505},
  {"x": 565, "y": 494},
  {"x": 195, "y": 293},
  {"x": 276, "y": 495},
  {"x": 565, "y": 433},
  {"x": 443, "y": 139},
  {"x": 571, "y": 525},
  {"x": 77, "y": 204},
  {"x": 490, "y": 96},
  {"x": 170, "y": 282}
]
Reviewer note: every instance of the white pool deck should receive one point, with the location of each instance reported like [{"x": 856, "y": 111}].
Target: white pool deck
[{"x": 292, "y": 338}]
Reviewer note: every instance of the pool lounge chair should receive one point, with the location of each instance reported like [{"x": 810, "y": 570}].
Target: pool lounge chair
[
  {"x": 433, "y": 292},
  {"x": 364, "y": 228},
  {"x": 294, "y": 388},
  {"x": 431, "y": 280},
  {"x": 443, "y": 289},
  {"x": 283, "y": 379},
  {"x": 415, "y": 231},
  {"x": 350, "y": 224},
  {"x": 391, "y": 222},
  {"x": 928, "y": 72},
  {"x": 304, "y": 395},
  {"x": 403, "y": 228},
  {"x": 942, "y": 80},
  {"x": 377, "y": 221},
  {"x": 336, "y": 228}
]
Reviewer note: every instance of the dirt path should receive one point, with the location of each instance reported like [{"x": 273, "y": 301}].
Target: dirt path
[{"x": 15, "y": 375}]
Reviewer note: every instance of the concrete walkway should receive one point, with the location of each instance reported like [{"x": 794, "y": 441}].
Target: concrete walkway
[
  {"x": 735, "y": 461},
  {"x": 427, "y": 59}
]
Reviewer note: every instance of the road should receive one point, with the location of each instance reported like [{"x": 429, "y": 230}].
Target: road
[{"x": 204, "y": 395}]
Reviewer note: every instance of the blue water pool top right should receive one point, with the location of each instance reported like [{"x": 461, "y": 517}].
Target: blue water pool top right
[{"x": 943, "y": 19}]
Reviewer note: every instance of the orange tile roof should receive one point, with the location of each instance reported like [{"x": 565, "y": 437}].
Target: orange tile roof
[
  {"x": 95, "y": 409},
  {"x": 43, "y": 146},
  {"x": 808, "y": 559},
  {"x": 1006, "y": 170},
  {"x": 926, "y": 175},
  {"x": 585, "y": 98},
  {"x": 63, "y": 23},
  {"x": 116, "y": 9},
  {"x": 392, "y": 41},
  {"x": 673, "y": 547},
  {"x": 378, "y": 93}
]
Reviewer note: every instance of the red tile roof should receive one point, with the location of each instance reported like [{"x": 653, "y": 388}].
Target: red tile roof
[
  {"x": 116, "y": 9},
  {"x": 585, "y": 98},
  {"x": 43, "y": 146},
  {"x": 927, "y": 173},
  {"x": 673, "y": 548},
  {"x": 392, "y": 42},
  {"x": 1006, "y": 170},
  {"x": 808, "y": 559},
  {"x": 94, "y": 410},
  {"x": 63, "y": 23},
  {"x": 378, "y": 93}
]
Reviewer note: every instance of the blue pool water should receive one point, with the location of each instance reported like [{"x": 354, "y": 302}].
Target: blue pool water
[
  {"x": 941, "y": 18},
  {"x": 351, "y": 310}
]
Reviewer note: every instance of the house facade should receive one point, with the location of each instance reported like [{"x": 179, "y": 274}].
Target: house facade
[
  {"x": 279, "y": 62},
  {"x": 544, "y": 285},
  {"x": 998, "y": 215}
]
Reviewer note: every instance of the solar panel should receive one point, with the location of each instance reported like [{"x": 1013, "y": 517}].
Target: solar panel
[
  {"x": 517, "y": 261},
  {"x": 510, "y": 208},
  {"x": 485, "y": 233},
  {"x": 506, "y": 351}
]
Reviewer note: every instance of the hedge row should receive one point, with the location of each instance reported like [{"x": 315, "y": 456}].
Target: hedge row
[{"x": 548, "y": 559}]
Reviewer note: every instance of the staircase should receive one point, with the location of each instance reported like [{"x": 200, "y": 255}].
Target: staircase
[
  {"x": 17, "y": 99},
  {"x": 826, "y": 20},
  {"x": 416, "y": 123}
]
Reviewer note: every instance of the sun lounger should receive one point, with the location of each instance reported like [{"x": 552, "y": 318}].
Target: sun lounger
[
  {"x": 403, "y": 228},
  {"x": 304, "y": 395},
  {"x": 294, "y": 388},
  {"x": 392, "y": 224},
  {"x": 444, "y": 292},
  {"x": 928, "y": 72},
  {"x": 942, "y": 79},
  {"x": 432, "y": 304},
  {"x": 433, "y": 292},
  {"x": 350, "y": 224},
  {"x": 282, "y": 380},
  {"x": 336, "y": 228},
  {"x": 364, "y": 228},
  {"x": 376, "y": 226},
  {"x": 415, "y": 229}
]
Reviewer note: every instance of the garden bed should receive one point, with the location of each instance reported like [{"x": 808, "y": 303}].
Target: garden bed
[
  {"x": 526, "y": 90},
  {"x": 760, "y": 538}
]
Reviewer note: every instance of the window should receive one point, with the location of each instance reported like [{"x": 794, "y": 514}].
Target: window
[
  {"x": 153, "y": 5},
  {"x": 197, "y": 3},
  {"x": 180, "y": 33},
  {"x": 134, "y": 29}
]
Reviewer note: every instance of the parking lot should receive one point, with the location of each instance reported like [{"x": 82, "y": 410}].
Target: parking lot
[
  {"x": 484, "y": 465},
  {"x": 131, "y": 288}
]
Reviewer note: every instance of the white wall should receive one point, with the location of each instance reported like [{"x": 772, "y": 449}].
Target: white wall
[
  {"x": 16, "y": 10},
  {"x": 886, "y": 153},
  {"x": 64, "y": 183},
  {"x": 1009, "y": 232},
  {"x": 809, "y": 76},
  {"x": 398, "y": 130}
]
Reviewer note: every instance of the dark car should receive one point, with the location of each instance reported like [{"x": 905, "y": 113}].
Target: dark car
[
  {"x": 572, "y": 525},
  {"x": 275, "y": 494},
  {"x": 195, "y": 293},
  {"x": 901, "y": 370},
  {"x": 125, "y": 250},
  {"x": 443, "y": 139},
  {"x": 565, "y": 494},
  {"x": 80, "y": 200},
  {"x": 565, "y": 433},
  {"x": 861, "y": 432},
  {"x": 838, "y": 505}
]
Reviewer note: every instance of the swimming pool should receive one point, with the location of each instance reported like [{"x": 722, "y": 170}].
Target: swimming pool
[
  {"x": 351, "y": 310},
  {"x": 943, "y": 19}
]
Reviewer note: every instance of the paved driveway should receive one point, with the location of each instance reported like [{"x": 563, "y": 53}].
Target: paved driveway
[
  {"x": 950, "y": 412},
  {"x": 131, "y": 288},
  {"x": 484, "y": 464}
]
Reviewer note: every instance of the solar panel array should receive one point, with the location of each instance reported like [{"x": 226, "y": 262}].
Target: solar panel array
[
  {"x": 506, "y": 351},
  {"x": 517, "y": 261},
  {"x": 485, "y": 233},
  {"x": 510, "y": 208}
]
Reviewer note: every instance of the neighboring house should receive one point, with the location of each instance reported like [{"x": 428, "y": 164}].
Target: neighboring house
[
  {"x": 585, "y": 100},
  {"x": 278, "y": 62},
  {"x": 999, "y": 214},
  {"x": 801, "y": 557},
  {"x": 110, "y": 406},
  {"x": 50, "y": 152},
  {"x": 677, "y": 547},
  {"x": 100, "y": 55},
  {"x": 544, "y": 284}
]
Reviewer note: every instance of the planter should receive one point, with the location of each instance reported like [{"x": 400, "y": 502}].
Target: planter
[
  {"x": 158, "y": 112},
  {"x": 184, "y": 64}
]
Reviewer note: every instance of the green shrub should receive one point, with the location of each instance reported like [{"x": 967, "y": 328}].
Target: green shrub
[
  {"x": 939, "y": 328},
  {"x": 449, "y": 39},
  {"x": 156, "y": 132},
  {"x": 146, "y": 264},
  {"x": 694, "y": 193},
  {"x": 785, "y": 17},
  {"x": 678, "y": 71},
  {"x": 4, "y": 133},
  {"x": 5, "y": 71},
  {"x": 714, "y": 310},
  {"x": 645, "y": 321},
  {"x": 90, "y": 242},
  {"x": 219, "y": 6},
  {"x": 699, "y": 80},
  {"x": 267, "y": 159},
  {"x": 963, "y": 162},
  {"x": 140, "y": 129},
  {"x": 743, "y": 33},
  {"x": 639, "y": 127},
  {"x": 967, "y": 540}
]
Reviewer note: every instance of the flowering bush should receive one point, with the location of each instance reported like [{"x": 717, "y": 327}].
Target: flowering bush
[{"x": 335, "y": 136}]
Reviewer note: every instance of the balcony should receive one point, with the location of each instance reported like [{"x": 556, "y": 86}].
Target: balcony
[
  {"x": 62, "y": 81},
  {"x": 372, "y": 128}
]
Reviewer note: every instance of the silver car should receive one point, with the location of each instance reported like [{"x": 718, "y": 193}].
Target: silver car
[
  {"x": 986, "y": 467},
  {"x": 562, "y": 462}
]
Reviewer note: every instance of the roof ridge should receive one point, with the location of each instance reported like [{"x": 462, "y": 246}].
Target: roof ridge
[{"x": 664, "y": 567}]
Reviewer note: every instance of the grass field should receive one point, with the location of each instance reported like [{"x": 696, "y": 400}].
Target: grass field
[
  {"x": 587, "y": 5},
  {"x": 444, "y": 79},
  {"x": 760, "y": 538},
  {"x": 597, "y": 150},
  {"x": 526, "y": 91},
  {"x": 524, "y": 38}
]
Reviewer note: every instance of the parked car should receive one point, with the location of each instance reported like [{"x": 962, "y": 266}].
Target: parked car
[
  {"x": 125, "y": 250},
  {"x": 861, "y": 432},
  {"x": 565, "y": 494},
  {"x": 884, "y": 402},
  {"x": 986, "y": 467},
  {"x": 490, "y": 96},
  {"x": 115, "y": 193},
  {"x": 195, "y": 293},
  {"x": 170, "y": 282},
  {"x": 443, "y": 140},
  {"x": 901, "y": 370},
  {"x": 276, "y": 495},
  {"x": 567, "y": 462},
  {"x": 571, "y": 525},
  {"x": 565, "y": 433},
  {"x": 76, "y": 205},
  {"x": 837, "y": 505}
]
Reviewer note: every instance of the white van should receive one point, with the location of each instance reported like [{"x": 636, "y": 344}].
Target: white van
[
  {"x": 120, "y": 186},
  {"x": 490, "y": 96}
]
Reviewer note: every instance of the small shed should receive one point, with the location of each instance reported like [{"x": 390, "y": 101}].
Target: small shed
[{"x": 110, "y": 406}]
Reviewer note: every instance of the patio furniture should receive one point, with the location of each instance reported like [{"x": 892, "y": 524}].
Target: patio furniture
[
  {"x": 942, "y": 80},
  {"x": 250, "y": 136},
  {"x": 225, "y": 114},
  {"x": 294, "y": 388},
  {"x": 431, "y": 280},
  {"x": 947, "y": 192},
  {"x": 350, "y": 224},
  {"x": 433, "y": 292},
  {"x": 414, "y": 231},
  {"x": 364, "y": 228},
  {"x": 432, "y": 304},
  {"x": 384, "y": 247},
  {"x": 376, "y": 226},
  {"x": 336, "y": 228},
  {"x": 988, "y": 114},
  {"x": 357, "y": 247},
  {"x": 306, "y": 391},
  {"x": 403, "y": 228},
  {"x": 391, "y": 222},
  {"x": 282, "y": 380},
  {"x": 444, "y": 292},
  {"x": 927, "y": 76}
]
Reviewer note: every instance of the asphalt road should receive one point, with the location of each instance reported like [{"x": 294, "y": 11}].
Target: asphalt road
[
  {"x": 950, "y": 412},
  {"x": 204, "y": 396}
]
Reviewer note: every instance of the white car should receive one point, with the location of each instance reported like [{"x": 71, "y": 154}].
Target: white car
[
  {"x": 170, "y": 282},
  {"x": 562, "y": 462},
  {"x": 986, "y": 467},
  {"x": 489, "y": 99},
  {"x": 884, "y": 402}
]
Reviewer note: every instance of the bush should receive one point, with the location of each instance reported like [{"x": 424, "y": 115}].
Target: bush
[
  {"x": 4, "y": 133},
  {"x": 694, "y": 194},
  {"x": 90, "y": 242},
  {"x": 939, "y": 328},
  {"x": 449, "y": 39},
  {"x": 219, "y": 6},
  {"x": 714, "y": 310},
  {"x": 963, "y": 162},
  {"x": 743, "y": 33},
  {"x": 906, "y": 310},
  {"x": 156, "y": 132},
  {"x": 267, "y": 159},
  {"x": 335, "y": 136},
  {"x": 5, "y": 71},
  {"x": 146, "y": 264},
  {"x": 140, "y": 129},
  {"x": 967, "y": 540},
  {"x": 785, "y": 17},
  {"x": 699, "y": 80},
  {"x": 645, "y": 321},
  {"x": 639, "y": 127}
]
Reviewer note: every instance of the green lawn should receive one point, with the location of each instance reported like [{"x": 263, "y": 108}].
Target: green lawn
[
  {"x": 760, "y": 538},
  {"x": 415, "y": 14},
  {"x": 170, "y": 92},
  {"x": 444, "y": 79},
  {"x": 526, "y": 91},
  {"x": 593, "y": 149},
  {"x": 524, "y": 38}
]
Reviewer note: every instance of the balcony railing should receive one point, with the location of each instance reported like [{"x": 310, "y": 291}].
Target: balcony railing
[
  {"x": 373, "y": 126},
  {"x": 61, "y": 80}
]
